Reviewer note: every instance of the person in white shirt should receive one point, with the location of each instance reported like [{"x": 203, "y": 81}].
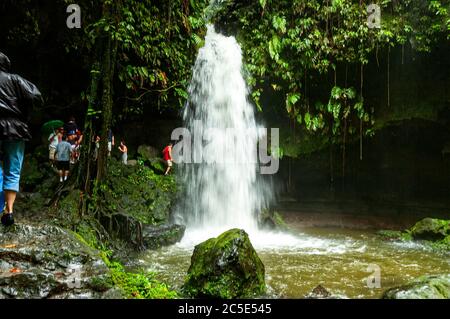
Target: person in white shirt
[{"x": 54, "y": 139}]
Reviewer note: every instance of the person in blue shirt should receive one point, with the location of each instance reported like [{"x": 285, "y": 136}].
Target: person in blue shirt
[{"x": 63, "y": 154}]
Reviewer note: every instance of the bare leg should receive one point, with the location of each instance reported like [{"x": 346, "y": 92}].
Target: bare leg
[
  {"x": 10, "y": 197},
  {"x": 61, "y": 174}
]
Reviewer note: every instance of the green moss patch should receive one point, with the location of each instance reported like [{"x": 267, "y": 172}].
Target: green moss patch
[
  {"x": 225, "y": 267},
  {"x": 139, "y": 192}
]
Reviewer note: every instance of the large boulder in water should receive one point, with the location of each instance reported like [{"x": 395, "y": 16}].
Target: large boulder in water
[
  {"x": 431, "y": 229},
  {"x": 49, "y": 262},
  {"x": 225, "y": 267},
  {"x": 428, "y": 287}
]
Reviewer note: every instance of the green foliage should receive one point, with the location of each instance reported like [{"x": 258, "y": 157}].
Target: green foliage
[
  {"x": 292, "y": 45},
  {"x": 87, "y": 231},
  {"x": 133, "y": 285},
  {"x": 156, "y": 44},
  {"x": 140, "y": 285},
  {"x": 420, "y": 22}
]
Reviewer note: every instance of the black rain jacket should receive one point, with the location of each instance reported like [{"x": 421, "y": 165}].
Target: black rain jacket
[{"x": 16, "y": 97}]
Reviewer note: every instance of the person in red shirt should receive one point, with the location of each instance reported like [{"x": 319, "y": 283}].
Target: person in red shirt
[{"x": 167, "y": 155}]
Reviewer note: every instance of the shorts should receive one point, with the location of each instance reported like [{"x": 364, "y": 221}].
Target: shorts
[
  {"x": 63, "y": 165},
  {"x": 51, "y": 153},
  {"x": 169, "y": 163},
  {"x": 13, "y": 152},
  {"x": 109, "y": 147}
]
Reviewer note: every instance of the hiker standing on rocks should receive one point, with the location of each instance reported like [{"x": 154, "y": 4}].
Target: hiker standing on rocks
[
  {"x": 63, "y": 154},
  {"x": 167, "y": 155},
  {"x": 124, "y": 150},
  {"x": 16, "y": 96}
]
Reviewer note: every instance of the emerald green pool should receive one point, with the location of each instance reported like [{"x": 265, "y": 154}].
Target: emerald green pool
[{"x": 336, "y": 258}]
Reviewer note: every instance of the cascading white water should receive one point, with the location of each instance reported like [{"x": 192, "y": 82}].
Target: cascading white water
[
  {"x": 221, "y": 188},
  {"x": 222, "y": 185}
]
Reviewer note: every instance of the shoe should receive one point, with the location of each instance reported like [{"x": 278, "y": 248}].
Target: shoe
[{"x": 7, "y": 219}]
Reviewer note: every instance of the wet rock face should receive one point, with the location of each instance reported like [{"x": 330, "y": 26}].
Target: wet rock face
[
  {"x": 431, "y": 229},
  {"x": 271, "y": 220},
  {"x": 152, "y": 157},
  {"x": 158, "y": 236},
  {"x": 225, "y": 267},
  {"x": 148, "y": 152},
  {"x": 140, "y": 193},
  {"x": 49, "y": 262},
  {"x": 429, "y": 287}
]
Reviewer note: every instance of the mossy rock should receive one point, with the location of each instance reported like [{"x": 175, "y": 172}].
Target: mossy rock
[
  {"x": 431, "y": 229},
  {"x": 69, "y": 208},
  {"x": 139, "y": 192},
  {"x": 428, "y": 287},
  {"x": 164, "y": 235},
  {"x": 225, "y": 267},
  {"x": 272, "y": 220}
]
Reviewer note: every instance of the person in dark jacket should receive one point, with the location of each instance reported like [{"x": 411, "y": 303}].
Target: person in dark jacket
[{"x": 16, "y": 97}]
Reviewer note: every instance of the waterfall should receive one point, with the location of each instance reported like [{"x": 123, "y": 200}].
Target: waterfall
[{"x": 221, "y": 188}]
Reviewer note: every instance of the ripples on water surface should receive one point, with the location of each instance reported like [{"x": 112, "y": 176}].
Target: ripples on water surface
[{"x": 335, "y": 258}]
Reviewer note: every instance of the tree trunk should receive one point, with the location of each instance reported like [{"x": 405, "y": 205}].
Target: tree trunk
[
  {"x": 108, "y": 66},
  {"x": 389, "y": 77},
  {"x": 343, "y": 152},
  {"x": 85, "y": 164},
  {"x": 361, "y": 119},
  {"x": 106, "y": 112}
]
